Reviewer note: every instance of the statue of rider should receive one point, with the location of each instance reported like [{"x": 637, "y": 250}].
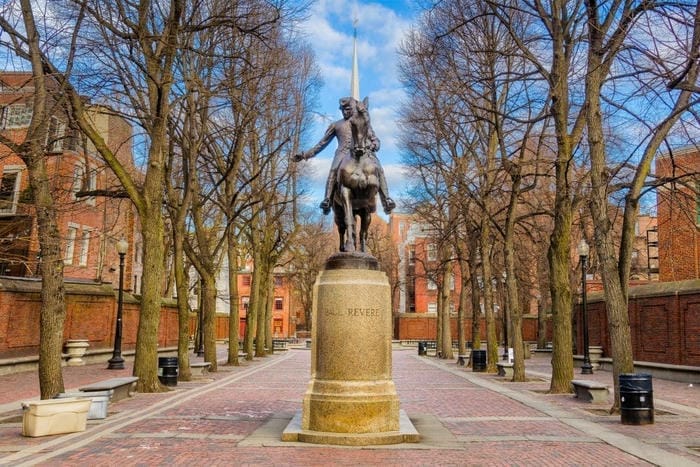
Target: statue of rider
[{"x": 342, "y": 131}]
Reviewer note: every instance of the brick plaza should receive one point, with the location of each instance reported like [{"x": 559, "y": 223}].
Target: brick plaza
[{"x": 236, "y": 416}]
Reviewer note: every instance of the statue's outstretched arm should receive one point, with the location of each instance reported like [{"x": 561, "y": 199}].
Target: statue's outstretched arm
[{"x": 321, "y": 145}]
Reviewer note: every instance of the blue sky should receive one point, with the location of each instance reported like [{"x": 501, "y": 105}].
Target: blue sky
[{"x": 380, "y": 29}]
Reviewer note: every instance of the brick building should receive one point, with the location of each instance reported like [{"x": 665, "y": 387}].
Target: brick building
[
  {"x": 678, "y": 211},
  {"x": 89, "y": 226}
]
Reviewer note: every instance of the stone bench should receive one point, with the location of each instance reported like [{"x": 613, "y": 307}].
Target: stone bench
[
  {"x": 278, "y": 345},
  {"x": 122, "y": 387},
  {"x": 200, "y": 368},
  {"x": 590, "y": 391},
  {"x": 505, "y": 369}
]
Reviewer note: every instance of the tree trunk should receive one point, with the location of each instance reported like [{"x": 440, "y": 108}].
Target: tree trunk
[
  {"x": 146, "y": 359},
  {"x": 234, "y": 318},
  {"x": 53, "y": 306},
  {"x": 209, "y": 310},
  {"x": 446, "y": 349},
  {"x": 183, "y": 309},
  {"x": 491, "y": 335},
  {"x": 615, "y": 297}
]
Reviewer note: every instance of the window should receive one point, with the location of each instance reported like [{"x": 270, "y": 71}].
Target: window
[
  {"x": 279, "y": 303},
  {"x": 54, "y": 135},
  {"x": 15, "y": 116},
  {"x": 92, "y": 184},
  {"x": 9, "y": 189},
  {"x": 245, "y": 279},
  {"x": 84, "y": 247},
  {"x": 411, "y": 256},
  {"x": 432, "y": 285},
  {"x": 432, "y": 307},
  {"x": 70, "y": 244},
  {"x": 78, "y": 178},
  {"x": 451, "y": 281},
  {"x": 278, "y": 281},
  {"x": 432, "y": 252},
  {"x": 245, "y": 303}
]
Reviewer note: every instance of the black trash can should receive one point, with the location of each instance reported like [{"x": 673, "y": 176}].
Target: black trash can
[
  {"x": 636, "y": 399},
  {"x": 168, "y": 370},
  {"x": 479, "y": 360},
  {"x": 422, "y": 348}
]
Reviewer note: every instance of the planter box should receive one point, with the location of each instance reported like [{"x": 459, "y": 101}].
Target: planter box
[
  {"x": 54, "y": 416},
  {"x": 98, "y": 407}
]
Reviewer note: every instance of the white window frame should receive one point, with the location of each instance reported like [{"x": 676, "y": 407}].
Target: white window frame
[
  {"x": 92, "y": 183},
  {"x": 84, "y": 246},
  {"x": 13, "y": 169},
  {"x": 431, "y": 252},
  {"x": 431, "y": 284},
  {"x": 16, "y": 116},
  {"x": 78, "y": 178},
  {"x": 432, "y": 307},
  {"x": 55, "y": 135},
  {"x": 71, "y": 234}
]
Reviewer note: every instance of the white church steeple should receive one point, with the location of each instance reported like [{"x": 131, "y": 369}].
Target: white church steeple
[{"x": 355, "y": 76}]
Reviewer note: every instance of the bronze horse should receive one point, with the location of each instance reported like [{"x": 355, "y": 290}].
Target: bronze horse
[{"x": 357, "y": 185}]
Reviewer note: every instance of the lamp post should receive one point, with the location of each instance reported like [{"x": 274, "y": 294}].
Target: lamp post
[
  {"x": 200, "y": 326},
  {"x": 587, "y": 368},
  {"x": 117, "y": 362}
]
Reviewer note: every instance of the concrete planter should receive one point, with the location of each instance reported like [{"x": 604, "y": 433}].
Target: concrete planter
[
  {"x": 76, "y": 348},
  {"x": 54, "y": 416},
  {"x": 595, "y": 353}
]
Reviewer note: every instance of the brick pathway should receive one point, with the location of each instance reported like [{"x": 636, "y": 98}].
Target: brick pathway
[{"x": 235, "y": 417}]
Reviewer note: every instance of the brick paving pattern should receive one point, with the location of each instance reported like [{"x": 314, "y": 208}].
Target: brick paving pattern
[{"x": 235, "y": 417}]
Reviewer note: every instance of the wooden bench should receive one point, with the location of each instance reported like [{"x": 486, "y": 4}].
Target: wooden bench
[
  {"x": 590, "y": 391},
  {"x": 123, "y": 387},
  {"x": 505, "y": 369},
  {"x": 200, "y": 368}
]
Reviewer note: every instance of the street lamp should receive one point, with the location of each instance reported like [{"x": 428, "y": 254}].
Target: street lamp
[
  {"x": 587, "y": 368},
  {"x": 117, "y": 362},
  {"x": 200, "y": 326}
]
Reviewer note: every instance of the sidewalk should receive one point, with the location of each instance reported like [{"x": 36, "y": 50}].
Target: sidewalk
[{"x": 236, "y": 416}]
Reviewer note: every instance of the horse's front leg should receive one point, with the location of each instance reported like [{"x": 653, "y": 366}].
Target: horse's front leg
[
  {"x": 349, "y": 219},
  {"x": 365, "y": 218}
]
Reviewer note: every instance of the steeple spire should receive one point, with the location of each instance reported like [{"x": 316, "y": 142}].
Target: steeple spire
[{"x": 355, "y": 77}]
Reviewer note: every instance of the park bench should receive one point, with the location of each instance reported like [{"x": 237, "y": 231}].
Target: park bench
[
  {"x": 590, "y": 391},
  {"x": 200, "y": 368},
  {"x": 505, "y": 369},
  {"x": 279, "y": 345},
  {"x": 123, "y": 387}
]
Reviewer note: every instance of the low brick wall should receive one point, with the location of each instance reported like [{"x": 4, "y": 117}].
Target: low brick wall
[
  {"x": 664, "y": 320},
  {"x": 91, "y": 311}
]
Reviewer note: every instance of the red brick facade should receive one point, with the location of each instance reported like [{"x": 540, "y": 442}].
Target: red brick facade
[{"x": 677, "y": 211}]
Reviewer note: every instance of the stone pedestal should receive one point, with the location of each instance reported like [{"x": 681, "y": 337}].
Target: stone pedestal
[{"x": 351, "y": 398}]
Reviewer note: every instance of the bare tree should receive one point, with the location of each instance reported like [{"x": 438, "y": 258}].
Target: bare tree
[
  {"x": 609, "y": 32},
  {"x": 32, "y": 150}
]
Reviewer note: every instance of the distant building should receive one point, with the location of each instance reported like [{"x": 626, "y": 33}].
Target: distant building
[
  {"x": 89, "y": 226},
  {"x": 678, "y": 211}
]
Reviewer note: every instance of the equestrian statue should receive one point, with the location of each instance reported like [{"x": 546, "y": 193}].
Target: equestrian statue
[{"x": 356, "y": 175}]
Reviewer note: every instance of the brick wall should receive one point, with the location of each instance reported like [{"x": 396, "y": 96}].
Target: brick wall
[
  {"x": 664, "y": 320},
  {"x": 90, "y": 314},
  {"x": 415, "y": 326}
]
